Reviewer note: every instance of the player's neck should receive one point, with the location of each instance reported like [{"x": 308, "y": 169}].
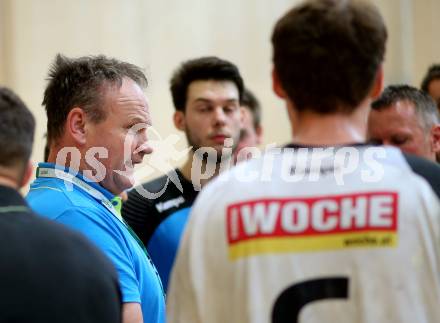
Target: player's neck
[
  {"x": 66, "y": 154},
  {"x": 63, "y": 152},
  {"x": 9, "y": 181},
  {"x": 185, "y": 169},
  {"x": 328, "y": 130}
]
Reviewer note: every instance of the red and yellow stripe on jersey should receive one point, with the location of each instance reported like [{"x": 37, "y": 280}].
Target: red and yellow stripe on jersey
[{"x": 308, "y": 224}]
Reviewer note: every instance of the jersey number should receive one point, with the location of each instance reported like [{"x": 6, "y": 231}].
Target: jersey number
[{"x": 294, "y": 298}]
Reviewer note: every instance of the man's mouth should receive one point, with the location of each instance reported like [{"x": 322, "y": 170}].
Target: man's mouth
[
  {"x": 133, "y": 161},
  {"x": 129, "y": 165},
  {"x": 219, "y": 139}
]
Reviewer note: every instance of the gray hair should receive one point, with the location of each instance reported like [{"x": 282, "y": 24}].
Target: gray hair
[{"x": 425, "y": 107}]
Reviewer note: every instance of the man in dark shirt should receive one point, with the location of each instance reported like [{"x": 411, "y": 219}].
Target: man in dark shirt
[
  {"x": 206, "y": 94},
  {"x": 47, "y": 273}
]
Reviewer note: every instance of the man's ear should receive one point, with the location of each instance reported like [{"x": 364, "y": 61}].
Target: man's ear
[
  {"x": 435, "y": 139},
  {"x": 76, "y": 125},
  {"x": 377, "y": 88},
  {"x": 276, "y": 85},
  {"x": 179, "y": 120},
  {"x": 243, "y": 116},
  {"x": 28, "y": 172},
  {"x": 259, "y": 132}
]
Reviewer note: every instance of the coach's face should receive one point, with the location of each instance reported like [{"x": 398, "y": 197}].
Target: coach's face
[
  {"x": 126, "y": 107},
  {"x": 399, "y": 125}
]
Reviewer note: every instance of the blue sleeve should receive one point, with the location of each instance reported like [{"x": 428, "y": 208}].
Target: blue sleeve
[{"x": 112, "y": 243}]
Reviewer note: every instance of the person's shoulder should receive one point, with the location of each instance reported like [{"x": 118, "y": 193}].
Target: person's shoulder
[
  {"x": 41, "y": 229},
  {"x": 156, "y": 185},
  {"x": 149, "y": 193},
  {"x": 141, "y": 193},
  {"x": 141, "y": 196},
  {"x": 98, "y": 224},
  {"x": 234, "y": 181},
  {"x": 43, "y": 192},
  {"x": 245, "y": 172},
  {"x": 51, "y": 229},
  {"x": 73, "y": 243},
  {"x": 75, "y": 252},
  {"x": 42, "y": 189},
  {"x": 38, "y": 248},
  {"x": 428, "y": 170},
  {"x": 53, "y": 200}
]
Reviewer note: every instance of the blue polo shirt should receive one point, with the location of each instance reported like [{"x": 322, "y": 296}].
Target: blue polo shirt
[{"x": 79, "y": 208}]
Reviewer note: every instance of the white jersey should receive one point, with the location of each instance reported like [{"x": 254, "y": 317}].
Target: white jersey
[{"x": 295, "y": 238}]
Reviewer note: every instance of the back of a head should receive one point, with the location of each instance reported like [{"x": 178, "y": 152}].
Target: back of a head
[
  {"x": 81, "y": 82},
  {"x": 327, "y": 53},
  {"x": 17, "y": 127},
  {"x": 250, "y": 102},
  {"x": 424, "y": 105},
  {"x": 432, "y": 74},
  {"x": 202, "y": 69}
]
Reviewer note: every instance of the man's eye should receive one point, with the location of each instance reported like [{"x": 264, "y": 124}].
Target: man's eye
[
  {"x": 230, "y": 108},
  {"x": 375, "y": 141},
  {"x": 204, "y": 108},
  {"x": 130, "y": 126},
  {"x": 399, "y": 140}
]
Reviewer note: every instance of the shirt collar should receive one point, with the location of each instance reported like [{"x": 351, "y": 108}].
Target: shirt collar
[
  {"x": 10, "y": 197},
  {"x": 80, "y": 176},
  {"x": 356, "y": 145}
]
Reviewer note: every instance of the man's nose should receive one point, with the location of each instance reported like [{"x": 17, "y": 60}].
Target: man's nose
[
  {"x": 219, "y": 116},
  {"x": 144, "y": 147}
]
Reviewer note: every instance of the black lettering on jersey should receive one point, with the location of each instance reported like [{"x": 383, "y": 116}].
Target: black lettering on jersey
[{"x": 291, "y": 301}]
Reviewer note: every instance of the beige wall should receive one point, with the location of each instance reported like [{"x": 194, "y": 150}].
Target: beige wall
[
  {"x": 426, "y": 36},
  {"x": 158, "y": 35},
  {"x": 4, "y": 23}
]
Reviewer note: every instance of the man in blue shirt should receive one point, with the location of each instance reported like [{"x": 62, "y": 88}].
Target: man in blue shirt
[{"x": 97, "y": 119}]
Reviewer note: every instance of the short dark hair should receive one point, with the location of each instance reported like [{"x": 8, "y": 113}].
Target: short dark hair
[
  {"x": 82, "y": 82},
  {"x": 204, "y": 68},
  {"x": 424, "y": 105},
  {"x": 250, "y": 102},
  {"x": 17, "y": 127},
  {"x": 327, "y": 53},
  {"x": 46, "y": 151},
  {"x": 432, "y": 74}
]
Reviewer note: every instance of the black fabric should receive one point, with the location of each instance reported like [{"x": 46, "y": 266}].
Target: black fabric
[
  {"x": 49, "y": 273},
  {"x": 427, "y": 169},
  {"x": 142, "y": 214},
  {"x": 357, "y": 145}
]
